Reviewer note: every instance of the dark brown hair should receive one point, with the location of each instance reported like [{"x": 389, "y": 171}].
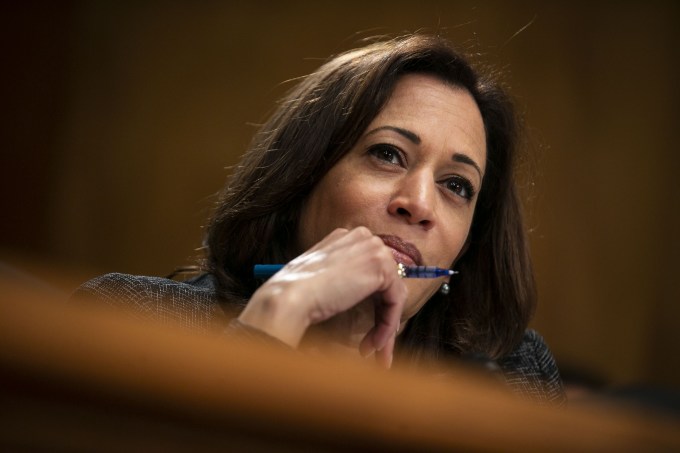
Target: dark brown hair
[{"x": 316, "y": 124}]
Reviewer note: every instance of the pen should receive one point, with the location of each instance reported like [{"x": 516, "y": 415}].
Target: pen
[{"x": 267, "y": 270}]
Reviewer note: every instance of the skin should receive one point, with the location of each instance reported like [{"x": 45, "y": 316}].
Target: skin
[{"x": 413, "y": 175}]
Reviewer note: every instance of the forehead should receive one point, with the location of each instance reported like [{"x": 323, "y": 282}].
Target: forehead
[{"x": 441, "y": 114}]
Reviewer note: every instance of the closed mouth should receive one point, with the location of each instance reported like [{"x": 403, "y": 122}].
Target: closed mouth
[{"x": 404, "y": 252}]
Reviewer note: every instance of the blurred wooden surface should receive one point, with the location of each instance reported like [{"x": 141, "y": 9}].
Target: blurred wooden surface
[{"x": 79, "y": 379}]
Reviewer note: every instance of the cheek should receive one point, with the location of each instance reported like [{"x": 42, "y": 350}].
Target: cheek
[
  {"x": 310, "y": 229},
  {"x": 456, "y": 233},
  {"x": 337, "y": 203},
  {"x": 332, "y": 204},
  {"x": 452, "y": 241}
]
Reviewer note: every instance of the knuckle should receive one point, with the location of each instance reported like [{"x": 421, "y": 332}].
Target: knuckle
[
  {"x": 339, "y": 231},
  {"x": 362, "y": 231},
  {"x": 377, "y": 244},
  {"x": 385, "y": 255}
]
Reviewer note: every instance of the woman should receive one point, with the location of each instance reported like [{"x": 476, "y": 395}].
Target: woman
[{"x": 397, "y": 152}]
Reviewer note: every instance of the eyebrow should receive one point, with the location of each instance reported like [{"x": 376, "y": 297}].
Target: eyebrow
[
  {"x": 465, "y": 159},
  {"x": 415, "y": 138},
  {"x": 412, "y": 136}
]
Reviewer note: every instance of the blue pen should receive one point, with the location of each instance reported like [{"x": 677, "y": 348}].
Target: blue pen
[{"x": 267, "y": 270}]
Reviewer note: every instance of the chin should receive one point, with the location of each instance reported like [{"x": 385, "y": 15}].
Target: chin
[{"x": 414, "y": 307}]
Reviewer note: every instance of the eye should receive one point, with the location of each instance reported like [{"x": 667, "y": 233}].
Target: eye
[
  {"x": 460, "y": 186},
  {"x": 386, "y": 153}
]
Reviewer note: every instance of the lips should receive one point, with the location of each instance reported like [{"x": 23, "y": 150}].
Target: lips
[{"x": 404, "y": 252}]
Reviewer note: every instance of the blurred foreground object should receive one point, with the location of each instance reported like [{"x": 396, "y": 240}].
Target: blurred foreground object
[{"x": 86, "y": 379}]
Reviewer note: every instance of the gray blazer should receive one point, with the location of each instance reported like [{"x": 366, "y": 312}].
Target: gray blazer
[{"x": 530, "y": 370}]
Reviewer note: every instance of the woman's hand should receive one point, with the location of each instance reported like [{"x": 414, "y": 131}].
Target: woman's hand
[{"x": 344, "y": 269}]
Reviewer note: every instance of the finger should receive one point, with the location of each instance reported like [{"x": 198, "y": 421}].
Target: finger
[
  {"x": 389, "y": 304},
  {"x": 385, "y": 355},
  {"x": 387, "y": 319},
  {"x": 335, "y": 241},
  {"x": 366, "y": 347},
  {"x": 389, "y": 308}
]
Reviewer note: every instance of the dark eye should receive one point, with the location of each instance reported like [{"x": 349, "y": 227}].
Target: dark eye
[
  {"x": 386, "y": 153},
  {"x": 461, "y": 187}
]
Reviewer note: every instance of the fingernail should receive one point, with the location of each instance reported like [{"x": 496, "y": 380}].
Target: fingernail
[{"x": 365, "y": 352}]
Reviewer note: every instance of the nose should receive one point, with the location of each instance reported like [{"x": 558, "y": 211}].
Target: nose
[{"x": 414, "y": 198}]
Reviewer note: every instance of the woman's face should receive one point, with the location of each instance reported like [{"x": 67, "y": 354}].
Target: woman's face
[{"x": 412, "y": 178}]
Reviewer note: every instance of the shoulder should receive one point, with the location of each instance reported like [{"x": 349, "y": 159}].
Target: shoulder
[
  {"x": 531, "y": 370},
  {"x": 193, "y": 303}
]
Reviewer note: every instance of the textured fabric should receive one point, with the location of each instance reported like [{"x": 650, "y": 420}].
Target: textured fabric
[
  {"x": 530, "y": 370},
  {"x": 192, "y": 304}
]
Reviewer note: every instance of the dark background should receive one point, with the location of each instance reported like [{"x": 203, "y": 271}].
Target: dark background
[{"x": 120, "y": 118}]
